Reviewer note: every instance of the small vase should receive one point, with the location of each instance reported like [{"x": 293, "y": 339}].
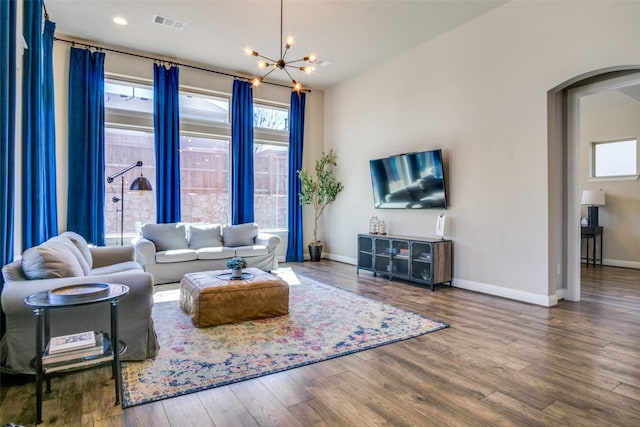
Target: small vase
[{"x": 236, "y": 273}]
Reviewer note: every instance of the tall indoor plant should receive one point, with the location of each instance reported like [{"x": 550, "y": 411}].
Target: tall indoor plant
[{"x": 319, "y": 191}]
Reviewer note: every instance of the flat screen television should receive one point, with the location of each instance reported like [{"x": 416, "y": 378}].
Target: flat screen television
[{"x": 409, "y": 181}]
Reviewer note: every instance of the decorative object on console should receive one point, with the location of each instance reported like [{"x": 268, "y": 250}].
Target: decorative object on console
[
  {"x": 440, "y": 225},
  {"x": 319, "y": 192},
  {"x": 374, "y": 222},
  {"x": 139, "y": 184},
  {"x": 281, "y": 64},
  {"x": 593, "y": 199}
]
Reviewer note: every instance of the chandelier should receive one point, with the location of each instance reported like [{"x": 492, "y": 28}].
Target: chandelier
[{"x": 282, "y": 64}]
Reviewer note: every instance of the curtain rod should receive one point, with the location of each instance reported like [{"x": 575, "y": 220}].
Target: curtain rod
[{"x": 137, "y": 55}]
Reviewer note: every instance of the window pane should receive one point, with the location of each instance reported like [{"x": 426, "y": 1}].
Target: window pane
[
  {"x": 204, "y": 179},
  {"x": 128, "y": 97},
  {"x": 122, "y": 149},
  {"x": 615, "y": 158},
  {"x": 268, "y": 117},
  {"x": 204, "y": 108},
  {"x": 270, "y": 181}
]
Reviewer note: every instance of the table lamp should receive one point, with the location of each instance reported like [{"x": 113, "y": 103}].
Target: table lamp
[{"x": 592, "y": 199}]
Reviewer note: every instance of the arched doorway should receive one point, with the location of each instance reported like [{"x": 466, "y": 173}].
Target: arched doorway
[{"x": 563, "y": 172}]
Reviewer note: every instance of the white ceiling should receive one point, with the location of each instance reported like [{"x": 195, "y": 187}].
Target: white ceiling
[{"x": 350, "y": 34}]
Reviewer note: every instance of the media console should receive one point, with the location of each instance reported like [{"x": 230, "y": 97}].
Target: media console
[{"x": 420, "y": 260}]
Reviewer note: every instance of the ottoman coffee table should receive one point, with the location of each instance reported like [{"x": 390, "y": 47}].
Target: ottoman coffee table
[{"x": 212, "y": 298}]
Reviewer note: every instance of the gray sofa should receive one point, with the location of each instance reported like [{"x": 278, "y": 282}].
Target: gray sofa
[
  {"x": 169, "y": 251},
  {"x": 67, "y": 260}
]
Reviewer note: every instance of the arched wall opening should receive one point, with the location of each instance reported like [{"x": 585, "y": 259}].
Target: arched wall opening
[{"x": 563, "y": 172}]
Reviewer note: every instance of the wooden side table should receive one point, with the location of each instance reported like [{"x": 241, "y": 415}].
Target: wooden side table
[
  {"x": 41, "y": 304},
  {"x": 588, "y": 234}
]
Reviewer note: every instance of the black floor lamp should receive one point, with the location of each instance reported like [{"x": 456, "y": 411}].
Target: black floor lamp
[{"x": 139, "y": 184}]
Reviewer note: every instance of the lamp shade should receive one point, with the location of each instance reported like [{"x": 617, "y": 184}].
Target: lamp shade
[
  {"x": 140, "y": 184},
  {"x": 592, "y": 198}
]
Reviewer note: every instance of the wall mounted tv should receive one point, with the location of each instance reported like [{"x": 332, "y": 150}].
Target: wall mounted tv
[{"x": 409, "y": 181}]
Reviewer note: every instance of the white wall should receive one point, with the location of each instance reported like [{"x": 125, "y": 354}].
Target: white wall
[
  {"x": 619, "y": 218},
  {"x": 479, "y": 92}
]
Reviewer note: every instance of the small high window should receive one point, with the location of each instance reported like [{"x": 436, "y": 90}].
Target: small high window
[{"x": 615, "y": 158}]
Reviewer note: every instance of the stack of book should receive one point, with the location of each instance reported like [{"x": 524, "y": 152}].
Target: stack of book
[{"x": 72, "y": 351}]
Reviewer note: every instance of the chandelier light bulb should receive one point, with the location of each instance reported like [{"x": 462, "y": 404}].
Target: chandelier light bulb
[
  {"x": 250, "y": 52},
  {"x": 262, "y": 65},
  {"x": 296, "y": 86},
  {"x": 256, "y": 82},
  {"x": 311, "y": 58},
  {"x": 290, "y": 41}
]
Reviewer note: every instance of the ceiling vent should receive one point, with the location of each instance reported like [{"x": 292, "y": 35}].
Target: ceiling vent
[{"x": 169, "y": 22}]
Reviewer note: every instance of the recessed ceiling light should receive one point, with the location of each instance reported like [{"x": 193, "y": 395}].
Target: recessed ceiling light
[{"x": 120, "y": 21}]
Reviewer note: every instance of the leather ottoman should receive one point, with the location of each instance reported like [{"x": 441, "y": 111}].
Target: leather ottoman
[{"x": 212, "y": 299}]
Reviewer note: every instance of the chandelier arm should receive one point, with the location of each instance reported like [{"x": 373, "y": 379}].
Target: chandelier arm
[
  {"x": 286, "y": 49},
  {"x": 285, "y": 70},
  {"x": 266, "y": 57},
  {"x": 270, "y": 71},
  {"x": 297, "y": 60}
]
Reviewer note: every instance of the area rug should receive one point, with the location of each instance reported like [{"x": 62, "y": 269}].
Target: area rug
[{"x": 323, "y": 322}]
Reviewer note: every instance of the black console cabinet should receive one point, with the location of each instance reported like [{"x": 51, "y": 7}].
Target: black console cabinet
[{"x": 425, "y": 261}]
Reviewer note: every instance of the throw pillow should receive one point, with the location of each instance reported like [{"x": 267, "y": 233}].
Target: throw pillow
[
  {"x": 166, "y": 236},
  {"x": 239, "y": 235},
  {"x": 50, "y": 260},
  {"x": 75, "y": 251},
  {"x": 81, "y": 244},
  {"x": 205, "y": 236}
]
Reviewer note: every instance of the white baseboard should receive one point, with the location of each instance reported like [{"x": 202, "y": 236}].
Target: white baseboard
[
  {"x": 621, "y": 263},
  {"x": 340, "y": 258},
  {"x": 544, "y": 300},
  {"x": 561, "y": 294}
]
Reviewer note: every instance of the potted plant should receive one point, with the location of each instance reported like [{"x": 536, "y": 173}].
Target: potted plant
[
  {"x": 236, "y": 264},
  {"x": 319, "y": 191}
]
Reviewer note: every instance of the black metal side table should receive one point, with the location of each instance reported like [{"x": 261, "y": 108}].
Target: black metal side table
[
  {"x": 42, "y": 303},
  {"x": 589, "y": 233}
]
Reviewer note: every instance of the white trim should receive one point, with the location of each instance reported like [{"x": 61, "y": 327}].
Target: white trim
[
  {"x": 614, "y": 178},
  {"x": 560, "y": 294},
  {"x": 621, "y": 263},
  {"x": 499, "y": 291},
  {"x": 340, "y": 258}
]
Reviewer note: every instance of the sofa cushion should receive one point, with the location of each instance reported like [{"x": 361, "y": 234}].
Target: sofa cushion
[
  {"x": 81, "y": 244},
  {"x": 176, "y": 255},
  {"x": 116, "y": 268},
  {"x": 166, "y": 236},
  {"x": 204, "y": 236},
  {"x": 239, "y": 235},
  {"x": 252, "y": 250},
  {"x": 50, "y": 260},
  {"x": 75, "y": 251},
  {"x": 220, "y": 252}
]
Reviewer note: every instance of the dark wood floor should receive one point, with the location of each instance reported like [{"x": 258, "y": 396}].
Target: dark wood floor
[{"x": 500, "y": 363}]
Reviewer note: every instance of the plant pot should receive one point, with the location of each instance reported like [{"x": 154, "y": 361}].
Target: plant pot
[
  {"x": 236, "y": 274},
  {"x": 315, "y": 252}
]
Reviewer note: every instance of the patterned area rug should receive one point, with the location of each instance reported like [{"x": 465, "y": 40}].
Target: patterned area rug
[{"x": 323, "y": 322}]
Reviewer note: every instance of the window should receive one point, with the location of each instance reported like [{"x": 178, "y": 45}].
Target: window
[
  {"x": 271, "y": 166},
  {"x": 271, "y": 172},
  {"x": 270, "y": 117},
  {"x": 205, "y": 135},
  {"x": 204, "y": 179},
  {"x": 614, "y": 158},
  {"x": 124, "y": 147}
]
